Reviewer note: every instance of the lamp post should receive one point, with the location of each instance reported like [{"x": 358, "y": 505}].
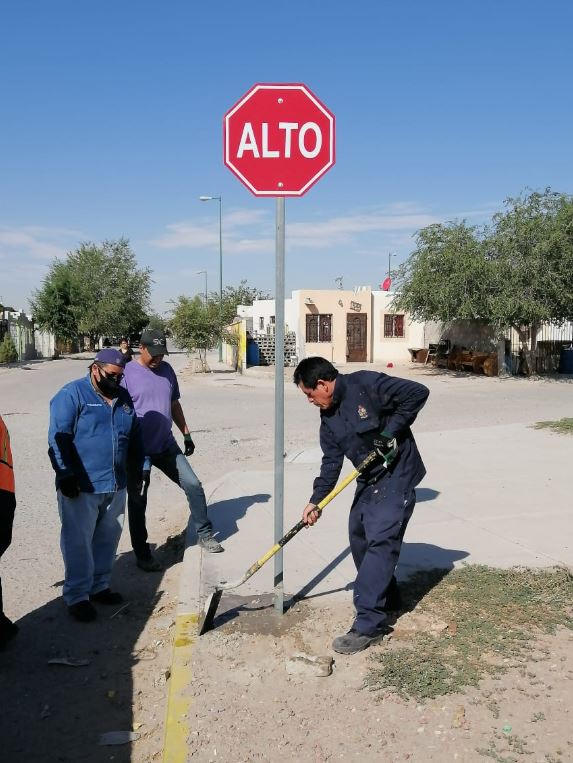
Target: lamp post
[
  {"x": 390, "y": 254},
  {"x": 204, "y": 273},
  {"x": 219, "y": 199}
]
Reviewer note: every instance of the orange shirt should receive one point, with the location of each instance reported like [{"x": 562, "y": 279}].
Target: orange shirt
[{"x": 6, "y": 464}]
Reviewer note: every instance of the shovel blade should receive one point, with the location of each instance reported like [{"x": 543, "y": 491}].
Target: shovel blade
[{"x": 207, "y": 618}]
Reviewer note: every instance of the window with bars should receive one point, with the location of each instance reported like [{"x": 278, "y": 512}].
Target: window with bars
[
  {"x": 319, "y": 328},
  {"x": 393, "y": 326}
]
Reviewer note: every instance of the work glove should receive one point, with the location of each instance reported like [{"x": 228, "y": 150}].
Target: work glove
[
  {"x": 69, "y": 487},
  {"x": 386, "y": 447},
  {"x": 189, "y": 445}
]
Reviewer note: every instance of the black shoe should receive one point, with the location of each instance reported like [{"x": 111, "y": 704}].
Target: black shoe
[
  {"x": 8, "y": 630},
  {"x": 148, "y": 564},
  {"x": 83, "y": 611},
  {"x": 353, "y": 641},
  {"x": 106, "y": 597}
]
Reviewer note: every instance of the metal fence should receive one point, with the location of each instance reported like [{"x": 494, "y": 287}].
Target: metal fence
[{"x": 551, "y": 339}]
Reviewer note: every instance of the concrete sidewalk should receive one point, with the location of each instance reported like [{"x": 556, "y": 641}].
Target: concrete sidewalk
[{"x": 497, "y": 496}]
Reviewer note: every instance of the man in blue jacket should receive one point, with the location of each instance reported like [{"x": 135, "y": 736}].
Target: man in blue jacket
[
  {"x": 359, "y": 413},
  {"x": 93, "y": 435}
]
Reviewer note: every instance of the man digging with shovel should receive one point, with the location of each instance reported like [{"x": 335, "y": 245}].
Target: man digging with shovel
[{"x": 359, "y": 413}]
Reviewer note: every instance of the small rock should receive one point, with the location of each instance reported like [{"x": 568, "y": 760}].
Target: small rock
[
  {"x": 309, "y": 665},
  {"x": 459, "y": 718}
]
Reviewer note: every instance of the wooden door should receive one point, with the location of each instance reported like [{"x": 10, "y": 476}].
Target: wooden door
[{"x": 356, "y": 337}]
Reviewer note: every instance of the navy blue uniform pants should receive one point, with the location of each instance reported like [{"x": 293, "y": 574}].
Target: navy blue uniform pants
[{"x": 377, "y": 523}]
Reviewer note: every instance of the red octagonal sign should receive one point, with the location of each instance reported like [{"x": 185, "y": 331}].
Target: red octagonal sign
[{"x": 278, "y": 140}]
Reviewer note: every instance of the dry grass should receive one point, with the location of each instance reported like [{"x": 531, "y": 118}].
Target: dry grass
[
  {"x": 495, "y": 615},
  {"x": 563, "y": 426}
]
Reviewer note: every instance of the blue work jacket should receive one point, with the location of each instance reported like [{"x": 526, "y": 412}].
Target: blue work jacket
[
  {"x": 93, "y": 440},
  {"x": 366, "y": 403}
]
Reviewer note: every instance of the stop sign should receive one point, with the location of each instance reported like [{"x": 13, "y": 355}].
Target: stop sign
[{"x": 278, "y": 139}]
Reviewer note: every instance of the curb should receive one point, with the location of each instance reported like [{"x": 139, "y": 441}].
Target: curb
[
  {"x": 178, "y": 715},
  {"x": 189, "y": 606}
]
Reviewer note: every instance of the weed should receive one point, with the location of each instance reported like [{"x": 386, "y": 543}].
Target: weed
[
  {"x": 563, "y": 426},
  {"x": 491, "y": 752},
  {"x": 537, "y": 717},
  {"x": 517, "y": 744},
  {"x": 493, "y": 707},
  {"x": 497, "y": 613}
]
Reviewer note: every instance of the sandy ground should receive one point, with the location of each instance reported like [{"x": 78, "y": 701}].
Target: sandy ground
[
  {"x": 249, "y": 708},
  {"x": 246, "y": 707}
]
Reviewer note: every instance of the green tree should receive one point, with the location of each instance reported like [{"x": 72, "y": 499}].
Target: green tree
[
  {"x": 96, "y": 290},
  {"x": 531, "y": 249},
  {"x": 52, "y": 305},
  {"x": 156, "y": 321},
  {"x": 514, "y": 273},
  {"x": 447, "y": 275},
  {"x": 236, "y": 295},
  {"x": 8, "y": 351},
  {"x": 196, "y": 327}
]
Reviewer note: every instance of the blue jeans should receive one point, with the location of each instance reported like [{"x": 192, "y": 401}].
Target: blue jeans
[
  {"x": 174, "y": 465},
  {"x": 377, "y": 523},
  {"x": 91, "y": 529}
]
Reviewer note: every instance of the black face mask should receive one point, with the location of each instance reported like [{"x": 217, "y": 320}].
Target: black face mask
[{"x": 108, "y": 384}]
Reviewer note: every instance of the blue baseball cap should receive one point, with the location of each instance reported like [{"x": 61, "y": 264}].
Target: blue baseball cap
[{"x": 111, "y": 356}]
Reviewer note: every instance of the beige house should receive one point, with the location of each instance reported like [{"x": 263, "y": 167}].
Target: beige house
[
  {"x": 334, "y": 323},
  {"x": 342, "y": 325},
  {"x": 393, "y": 333}
]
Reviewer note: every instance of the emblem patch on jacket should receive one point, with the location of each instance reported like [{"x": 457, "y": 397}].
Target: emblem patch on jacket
[{"x": 362, "y": 412}]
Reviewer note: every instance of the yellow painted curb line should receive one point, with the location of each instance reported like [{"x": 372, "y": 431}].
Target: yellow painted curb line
[{"x": 178, "y": 722}]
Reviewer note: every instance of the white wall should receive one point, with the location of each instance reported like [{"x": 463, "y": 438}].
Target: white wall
[
  {"x": 45, "y": 344},
  {"x": 393, "y": 349},
  {"x": 265, "y": 308}
]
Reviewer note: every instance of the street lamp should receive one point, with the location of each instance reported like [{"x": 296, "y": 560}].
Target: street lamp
[
  {"x": 219, "y": 199},
  {"x": 204, "y": 273},
  {"x": 390, "y": 254}
]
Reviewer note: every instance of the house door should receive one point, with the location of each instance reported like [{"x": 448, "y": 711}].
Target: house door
[{"x": 356, "y": 338}]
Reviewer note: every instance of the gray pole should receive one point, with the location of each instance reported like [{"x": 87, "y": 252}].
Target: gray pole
[
  {"x": 279, "y": 398},
  {"x": 220, "y": 270}
]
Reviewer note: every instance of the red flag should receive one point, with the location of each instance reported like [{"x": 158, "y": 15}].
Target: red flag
[{"x": 386, "y": 285}]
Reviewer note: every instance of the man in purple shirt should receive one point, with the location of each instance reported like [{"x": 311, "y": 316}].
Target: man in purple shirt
[{"x": 153, "y": 387}]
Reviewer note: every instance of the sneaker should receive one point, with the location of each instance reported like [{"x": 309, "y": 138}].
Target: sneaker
[
  {"x": 8, "y": 630},
  {"x": 149, "y": 564},
  {"x": 83, "y": 611},
  {"x": 353, "y": 641},
  {"x": 106, "y": 596},
  {"x": 209, "y": 543}
]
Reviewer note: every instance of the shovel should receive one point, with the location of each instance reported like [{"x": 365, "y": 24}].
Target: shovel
[{"x": 206, "y": 619}]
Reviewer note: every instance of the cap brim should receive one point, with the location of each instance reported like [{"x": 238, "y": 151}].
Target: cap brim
[{"x": 154, "y": 350}]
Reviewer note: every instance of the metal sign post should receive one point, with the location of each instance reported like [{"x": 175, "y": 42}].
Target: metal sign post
[
  {"x": 278, "y": 140},
  {"x": 279, "y": 398}
]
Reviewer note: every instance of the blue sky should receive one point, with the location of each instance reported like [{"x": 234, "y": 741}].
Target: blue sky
[{"x": 111, "y": 125}]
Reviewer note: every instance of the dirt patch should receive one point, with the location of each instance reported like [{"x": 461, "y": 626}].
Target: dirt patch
[{"x": 248, "y": 707}]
